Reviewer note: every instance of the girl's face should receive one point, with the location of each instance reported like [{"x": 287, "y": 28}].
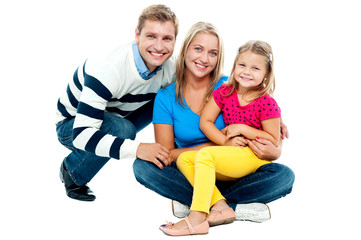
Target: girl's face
[
  {"x": 250, "y": 70},
  {"x": 201, "y": 55}
]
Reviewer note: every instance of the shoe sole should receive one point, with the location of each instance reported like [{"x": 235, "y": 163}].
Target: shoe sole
[{"x": 192, "y": 234}]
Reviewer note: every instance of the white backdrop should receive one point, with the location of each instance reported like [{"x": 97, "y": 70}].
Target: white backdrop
[{"x": 317, "y": 53}]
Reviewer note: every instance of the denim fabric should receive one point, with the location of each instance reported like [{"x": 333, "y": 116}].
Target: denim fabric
[
  {"x": 83, "y": 166},
  {"x": 268, "y": 183}
]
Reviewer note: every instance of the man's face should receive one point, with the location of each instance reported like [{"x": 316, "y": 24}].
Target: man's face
[{"x": 156, "y": 42}]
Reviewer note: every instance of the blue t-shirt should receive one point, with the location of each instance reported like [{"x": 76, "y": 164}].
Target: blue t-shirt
[{"x": 168, "y": 110}]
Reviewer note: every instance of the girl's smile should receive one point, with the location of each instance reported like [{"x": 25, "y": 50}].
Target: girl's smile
[{"x": 246, "y": 79}]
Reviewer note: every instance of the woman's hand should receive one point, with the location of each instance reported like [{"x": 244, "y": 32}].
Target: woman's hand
[
  {"x": 264, "y": 149},
  {"x": 284, "y": 130}
]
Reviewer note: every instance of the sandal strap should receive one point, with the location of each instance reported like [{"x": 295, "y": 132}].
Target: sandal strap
[
  {"x": 191, "y": 229},
  {"x": 220, "y": 211},
  {"x": 216, "y": 209}
]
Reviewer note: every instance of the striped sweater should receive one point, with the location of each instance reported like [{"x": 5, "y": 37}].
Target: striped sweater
[{"x": 108, "y": 84}]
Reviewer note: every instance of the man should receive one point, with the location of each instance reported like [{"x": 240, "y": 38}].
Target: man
[{"x": 110, "y": 99}]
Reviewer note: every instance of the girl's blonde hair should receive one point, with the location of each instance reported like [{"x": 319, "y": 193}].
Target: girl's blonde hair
[
  {"x": 215, "y": 75},
  {"x": 268, "y": 84}
]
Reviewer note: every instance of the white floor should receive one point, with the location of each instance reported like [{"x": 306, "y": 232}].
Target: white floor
[{"x": 36, "y": 207}]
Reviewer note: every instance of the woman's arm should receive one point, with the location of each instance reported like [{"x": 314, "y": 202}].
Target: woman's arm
[{"x": 164, "y": 134}]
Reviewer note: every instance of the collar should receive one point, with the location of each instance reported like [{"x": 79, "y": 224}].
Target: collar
[{"x": 139, "y": 63}]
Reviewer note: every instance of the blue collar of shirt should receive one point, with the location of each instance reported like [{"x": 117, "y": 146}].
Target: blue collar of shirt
[{"x": 141, "y": 67}]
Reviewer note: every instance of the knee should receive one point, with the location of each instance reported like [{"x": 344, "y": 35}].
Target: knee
[
  {"x": 285, "y": 176},
  {"x": 289, "y": 177},
  {"x": 140, "y": 170},
  {"x": 185, "y": 159},
  {"x": 119, "y": 127},
  {"x": 204, "y": 156}
]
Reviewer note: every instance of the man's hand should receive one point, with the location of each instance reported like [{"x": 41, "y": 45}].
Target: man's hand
[{"x": 155, "y": 153}]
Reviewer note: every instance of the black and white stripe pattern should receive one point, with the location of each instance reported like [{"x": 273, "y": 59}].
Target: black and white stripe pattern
[{"x": 108, "y": 86}]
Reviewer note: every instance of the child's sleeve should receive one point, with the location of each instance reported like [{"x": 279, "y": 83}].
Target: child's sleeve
[{"x": 270, "y": 108}]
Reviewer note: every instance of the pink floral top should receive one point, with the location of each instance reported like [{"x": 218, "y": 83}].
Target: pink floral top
[{"x": 252, "y": 114}]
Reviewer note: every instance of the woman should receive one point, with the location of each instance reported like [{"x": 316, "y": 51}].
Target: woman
[{"x": 177, "y": 110}]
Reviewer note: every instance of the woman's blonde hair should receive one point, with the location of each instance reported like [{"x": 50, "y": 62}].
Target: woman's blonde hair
[
  {"x": 268, "y": 84},
  {"x": 215, "y": 75}
]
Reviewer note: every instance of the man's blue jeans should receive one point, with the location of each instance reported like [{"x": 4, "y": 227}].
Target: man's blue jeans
[
  {"x": 83, "y": 166},
  {"x": 268, "y": 183}
]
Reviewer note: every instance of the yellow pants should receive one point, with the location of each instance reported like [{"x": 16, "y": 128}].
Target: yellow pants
[{"x": 225, "y": 163}]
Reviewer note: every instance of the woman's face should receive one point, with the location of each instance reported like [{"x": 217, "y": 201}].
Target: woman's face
[{"x": 202, "y": 54}]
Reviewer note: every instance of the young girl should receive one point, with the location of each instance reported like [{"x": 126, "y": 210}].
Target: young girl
[{"x": 249, "y": 113}]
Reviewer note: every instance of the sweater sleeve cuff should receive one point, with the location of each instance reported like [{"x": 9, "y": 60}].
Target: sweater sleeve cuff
[{"x": 129, "y": 149}]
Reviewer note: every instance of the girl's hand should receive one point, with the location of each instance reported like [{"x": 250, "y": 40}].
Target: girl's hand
[
  {"x": 236, "y": 141},
  {"x": 232, "y": 130},
  {"x": 264, "y": 149}
]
